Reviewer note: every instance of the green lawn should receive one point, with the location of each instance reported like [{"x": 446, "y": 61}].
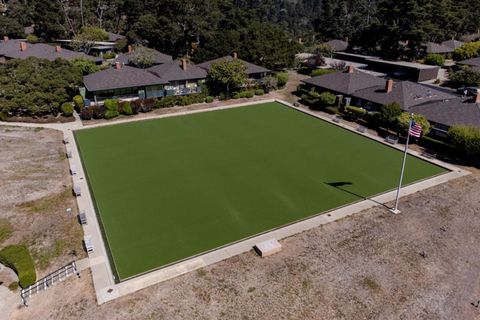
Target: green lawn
[{"x": 172, "y": 188}]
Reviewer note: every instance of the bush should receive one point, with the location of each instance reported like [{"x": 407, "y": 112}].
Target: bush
[
  {"x": 209, "y": 99},
  {"x": 327, "y": 99},
  {"x": 109, "y": 55},
  {"x": 356, "y": 112},
  {"x": 466, "y": 139},
  {"x": 282, "y": 79},
  {"x": 86, "y": 113},
  {"x": 3, "y": 116},
  {"x": 466, "y": 76},
  {"x": 67, "y": 109},
  {"x": 13, "y": 286},
  {"x": 249, "y": 94},
  {"x": 78, "y": 102},
  {"x": 259, "y": 92},
  {"x": 98, "y": 112},
  {"x": 403, "y": 122},
  {"x": 111, "y": 108},
  {"x": 31, "y": 38},
  {"x": 331, "y": 110},
  {"x": 320, "y": 72},
  {"x": 125, "y": 108},
  {"x": 434, "y": 59},
  {"x": 467, "y": 51},
  {"x": 17, "y": 257},
  {"x": 165, "y": 102}
]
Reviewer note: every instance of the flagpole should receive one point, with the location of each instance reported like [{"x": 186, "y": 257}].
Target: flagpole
[{"x": 395, "y": 209}]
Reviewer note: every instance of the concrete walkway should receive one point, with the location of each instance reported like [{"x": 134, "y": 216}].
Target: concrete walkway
[{"x": 105, "y": 287}]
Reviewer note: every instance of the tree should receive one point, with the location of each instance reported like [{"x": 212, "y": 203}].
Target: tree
[
  {"x": 88, "y": 36},
  {"x": 142, "y": 57},
  {"x": 86, "y": 66},
  {"x": 403, "y": 122},
  {"x": 10, "y": 27},
  {"x": 327, "y": 99},
  {"x": 467, "y": 51},
  {"x": 466, "y": 139},
  {"x": 389, "y": 113},
  {"x": 434, "y": 59},
  {"x": 466, "y": 76},
  {"x": 226, "y": 77}
]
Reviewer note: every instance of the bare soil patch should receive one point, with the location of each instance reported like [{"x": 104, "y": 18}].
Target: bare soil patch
[
  {"x": 421, "y": 264},
  {"x": 36, "y": 191}
]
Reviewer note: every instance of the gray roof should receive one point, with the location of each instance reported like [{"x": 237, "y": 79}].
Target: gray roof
[
  {"x": 11, "y": 50},
  {"x": 454, "y": 44},
  {"x": 125, "y": 77},
  {"x": 251, "y": 68},
  {"x": 173, "y": 71},
  {"x": 158, "y": 56},
  {"x": 113, "y": 37},
  {"x": 432, "y": 47},
  {"x": 345, "y": 82},
  {"x": 406, "y": 93},
  {"x": 474, "y": 62},
  {"x": 338, "y": 45},
  {"x": 451, "y": 112}
]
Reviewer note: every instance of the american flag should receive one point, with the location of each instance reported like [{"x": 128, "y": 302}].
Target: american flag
[{"x": 415, "y": 130}]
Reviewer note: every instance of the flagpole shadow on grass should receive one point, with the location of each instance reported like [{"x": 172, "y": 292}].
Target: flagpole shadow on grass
[{"x": 340, "y": 184}]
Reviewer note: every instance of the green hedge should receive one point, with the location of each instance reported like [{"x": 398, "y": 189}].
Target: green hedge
[
  {"x": 111, "y": 108},
  {"x": 67, "y": 109},
  {"x": 282, "y": 79},
  {"x": 78, "y": 102},
  {"x": 17, "y": 257},
  {"x": 259, "y": 92},
  {"x": 209, "y": 99}
]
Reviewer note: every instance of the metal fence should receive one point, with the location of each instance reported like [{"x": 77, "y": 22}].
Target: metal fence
[{"x": 53, "y": 278}]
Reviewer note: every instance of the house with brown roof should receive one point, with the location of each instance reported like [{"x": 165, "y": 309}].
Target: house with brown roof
[
  {"x": 20, "y": 49},
  {"x": 254, "y": 71}
]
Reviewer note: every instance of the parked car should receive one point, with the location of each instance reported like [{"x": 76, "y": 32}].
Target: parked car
[{"x": 468, "y": 91}]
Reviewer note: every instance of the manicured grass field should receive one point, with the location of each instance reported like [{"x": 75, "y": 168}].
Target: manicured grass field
[{"x": 172, "y": 188}]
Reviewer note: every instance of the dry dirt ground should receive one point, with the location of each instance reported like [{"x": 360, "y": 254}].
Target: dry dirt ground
[
  {"x": 369, "y": 266},
  {"x": 35, "y": 193}
]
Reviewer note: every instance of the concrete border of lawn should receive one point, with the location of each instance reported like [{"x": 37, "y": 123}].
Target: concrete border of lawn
[{"x": 103, "y": 278}]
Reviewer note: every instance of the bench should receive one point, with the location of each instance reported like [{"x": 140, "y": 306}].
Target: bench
[
  {"x": 69, "y": 154},
  {"x": 77, "y": 191},
  {"x": 65, "y": 140},
  {"x": 362, "y": 129},
  {"x": 391, "y": 139},
  {"x": 337, "y": 119},
  {"x": 82, "y": 218},
  {"x": 87, "y": 240},
  {"x": 268, "y": 247},
  {"x": 73, "y": 170},
  {"x": 429, "y": 154}
]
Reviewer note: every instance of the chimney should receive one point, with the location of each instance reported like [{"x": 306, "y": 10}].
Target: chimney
[
  {"x": 23, "y": 46},
  {"x": 130, "y": 48},
  {"x": 350, "y": 69},
  {"x": 235, "y": 55},
  {"x": 58, "y": 49},
  {"x": 389, "y": 86},
  {"x": 477, "y": 96},
  {"x": 184, "y": 64},
  {"x": 5, "y": 39},
  {"x": 118, "y": 65}
]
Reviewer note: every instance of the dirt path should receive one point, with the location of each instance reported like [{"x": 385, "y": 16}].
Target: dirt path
[{"x": 364, "y": 267}]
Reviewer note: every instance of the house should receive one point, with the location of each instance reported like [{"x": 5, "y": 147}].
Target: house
[
  {"x": 124, "y": 82},
  {"x": 99, "y": 47},
  {"x": 20, "y": 49},
  {"x": 442, "y": 108},
  {"x": 182, "y": 77},
  {"x": 338, "y": 45},
  {"x": 474, "y": 63},
  {"x": 403, "y": 70},
  {"x": 158, "y": 57},
  {"x": 253, "y": 71}
]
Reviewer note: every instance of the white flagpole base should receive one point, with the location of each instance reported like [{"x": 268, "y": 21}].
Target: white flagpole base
[{"x": 395, "y": 211}]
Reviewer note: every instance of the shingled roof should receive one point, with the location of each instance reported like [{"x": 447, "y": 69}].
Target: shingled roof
[
  {"x": 454, "y": 44},
  {"x": 474, "y": 63},
  {"x": 405, "y": 93},
  {"x": 451, "y": 112},
  {"x": 432, "y": 47},
  {"x": 345, "y": 82},
  {"x": 174, "y": 71},
  {"x": 338, "y": 45},
  {"x": 251, "y": 68},
  {"x": 122, "y": 77},
  {"x": 11, "y": 49}
]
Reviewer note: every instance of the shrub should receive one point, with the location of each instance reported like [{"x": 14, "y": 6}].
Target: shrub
[
  {"x": 466, "y": 76},
  {"x": 249, "y": 94},
  {"x": 236, "y": 95},
  {"x": 13, "y": 286},
  {"x": 165, "y": 102},
  {"x": 31, "y": 38},
  {"x": 467, "y": 51},
  {"x": 466, "y": 139},
  {"x": 327, "y": 99},
  {"x": 86, "y": 113},
  {"x": 17, "y": 257},
  {"x": 434, "y": 59},
  {"x": 109, "y": 55},
  {"x": 320, "y": 72},
  {"x": 111, "y": 108},
  {"x": 67, "y": 109},
  {"x": 98, "y": 112},
  {"x": 125, "y": 108},
  {"x": 209, "y": 99},
  {"x": 282, "y": 79},
  {"x": 259, "y": 92},
  {"x": 78, "y": 102},
  {"x": 3, "y": 116},
  {"x": 403, "y": 121},
  {"x": 147, "y": 105},
  {"x": 331, "y": 110},
  {"x": 356, "y": 112},
  {"x": 389, "y": 113}
]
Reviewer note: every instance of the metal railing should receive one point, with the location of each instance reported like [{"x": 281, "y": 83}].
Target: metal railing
[{"x": 44, "y": 283}]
